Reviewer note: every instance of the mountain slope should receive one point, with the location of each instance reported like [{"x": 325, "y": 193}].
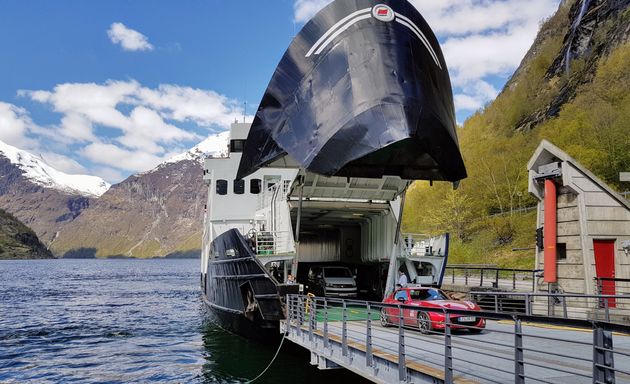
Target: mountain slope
[
  {"x": 572, "y": 88},
  {"x": 40, "y": 196},
  {"x": 17, "y": 241},
  {"x": 154, "y": 213}
]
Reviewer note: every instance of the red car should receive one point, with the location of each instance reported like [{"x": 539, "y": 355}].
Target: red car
[{"x": 427, "y": 321}]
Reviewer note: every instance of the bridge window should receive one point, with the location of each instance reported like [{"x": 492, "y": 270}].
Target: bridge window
[
  {"x": 237, "y": 145},
  {"x": 239, "y": 187},
  {"x": 255, "y": 186},
  {"x": 222, "y": 186}
]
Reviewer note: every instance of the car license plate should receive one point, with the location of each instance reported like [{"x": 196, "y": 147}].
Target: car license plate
[{"x": 467, "y": 319}]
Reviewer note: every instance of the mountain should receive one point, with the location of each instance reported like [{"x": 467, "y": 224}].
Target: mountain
[
  {"x": 36, "y": 170},
  {"x": 573, "y": 89},
  {"x": 40, "y": 196},
  {"x": 154, "y": 213},
  {"x": 17, "y": 241}
]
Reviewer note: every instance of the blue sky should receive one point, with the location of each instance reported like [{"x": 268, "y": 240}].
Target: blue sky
[{"x": 111, "y": 88}]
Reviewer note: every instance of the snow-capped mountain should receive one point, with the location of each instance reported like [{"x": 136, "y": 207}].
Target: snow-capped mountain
[
  {"x": 39, "y": 172},
  {"x": 154, "y": 213},
  {"x": 215, "y": 145}
]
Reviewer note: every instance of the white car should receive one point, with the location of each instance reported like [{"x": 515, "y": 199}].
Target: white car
[{"x": 332, "y": 281}]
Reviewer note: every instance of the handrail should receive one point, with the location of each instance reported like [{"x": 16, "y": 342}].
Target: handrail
[
  {"x": 271, "y": 242},
  {"x": 612, "y": 279},
  {"x": 455, "y": 266},
  {"x": 495, "y": 274},
  {"x": 399, "y": 346},
  {"x": 461, "y": 266},
  {"x": 603, "y": 302}
]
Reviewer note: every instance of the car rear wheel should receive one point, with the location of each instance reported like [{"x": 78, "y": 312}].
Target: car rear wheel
[
  {"x": 384, "y": 318},
  {"x": 424, "y": 323}
]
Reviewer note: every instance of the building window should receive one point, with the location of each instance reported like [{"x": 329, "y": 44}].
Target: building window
[
  {"x": 255, "y": 186},
  {"x": 239, "y": 187},
  {"x": 222, "y": 186},
  {"x": 237, "y": 145},
  {"x": 561, "y": 249}
]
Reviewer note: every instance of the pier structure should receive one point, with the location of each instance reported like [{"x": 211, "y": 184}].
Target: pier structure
[{"x": 366, "y": 339}]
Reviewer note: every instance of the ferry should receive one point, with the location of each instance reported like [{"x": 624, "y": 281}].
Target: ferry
[{"x": 359, "y": 107}]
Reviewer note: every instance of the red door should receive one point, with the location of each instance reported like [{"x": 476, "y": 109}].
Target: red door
[{"x": 605, "y": 267}]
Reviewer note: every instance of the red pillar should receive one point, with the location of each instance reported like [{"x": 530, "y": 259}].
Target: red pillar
[{"x": 551, "y": 273}]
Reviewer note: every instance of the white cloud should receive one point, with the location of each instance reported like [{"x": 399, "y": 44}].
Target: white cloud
[
  {"x": 129, "y": 39},
  {"x": 128, "y": 127},
  {"x": 63, "y": 163},
  {"x": 15, "y": 124},
  {"x": 108, "y": 174},
  {"x": 202, "y": 107},
  {"x": 120, "y": 158},
  {"x": 304, "y": 10},
  {"x": 461, "y": 17},
  {"x": 480, "y": 38}
]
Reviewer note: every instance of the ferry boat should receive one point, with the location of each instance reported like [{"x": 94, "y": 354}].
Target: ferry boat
[{"x": 358, "y": 108}]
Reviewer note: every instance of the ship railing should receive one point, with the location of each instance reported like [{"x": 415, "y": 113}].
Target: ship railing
[
  {"x": 384, "y": 343},
  {"x": 274, "y": 193},
  {"x": 270, "y": 243},
  {"x": 611, "y": 308},
  {"x": 419, "y": 244}
]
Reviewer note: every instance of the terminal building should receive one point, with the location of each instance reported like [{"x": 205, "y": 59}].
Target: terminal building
[{"x": 583, "y": 233}]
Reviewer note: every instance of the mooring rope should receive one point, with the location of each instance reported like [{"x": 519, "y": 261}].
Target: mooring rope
[{"x": 271, "y": 362}]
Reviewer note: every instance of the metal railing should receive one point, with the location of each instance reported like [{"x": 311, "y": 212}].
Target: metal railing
[
  {"x": 615, "y": 308},
  {"x": 515, "y": 210},
  {"x": 382, "y": 342},
  {"x": 274, "y": 193},
  {"x": 493, "y": 277},
  {"x": 612, "y": 286},
  {"x": 271, "y": 243}
]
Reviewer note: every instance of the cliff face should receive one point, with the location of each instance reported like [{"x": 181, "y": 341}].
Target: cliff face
[
  {"x": 157, "y": 213},
  {"x": 17, "y": 241},
  {"x": 592, "y": 29}
]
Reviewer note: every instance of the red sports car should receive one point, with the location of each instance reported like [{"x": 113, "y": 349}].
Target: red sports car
[{"x": 422, "y": 297}]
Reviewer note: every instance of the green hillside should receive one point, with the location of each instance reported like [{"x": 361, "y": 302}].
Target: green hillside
[
  {"x": 592, "y": 124},
  {"x": 17, "y": 241}
]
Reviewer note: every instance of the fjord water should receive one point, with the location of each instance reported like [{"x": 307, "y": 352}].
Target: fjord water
[{"x": 121, "y": 321}]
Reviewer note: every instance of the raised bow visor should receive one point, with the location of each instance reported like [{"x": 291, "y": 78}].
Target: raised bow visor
[{"x": 362, "y": 91}]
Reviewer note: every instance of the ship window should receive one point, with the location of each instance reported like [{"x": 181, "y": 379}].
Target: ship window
[
  {"x": 222, "y": 186},
  {"x": 239, "y": 187},
  {"x": 286, "y": 184},
  {"x": 254, "y": 186},
  {"x": 237, "y": 145}
]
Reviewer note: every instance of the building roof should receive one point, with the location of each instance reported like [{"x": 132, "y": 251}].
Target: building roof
[{"x": 547, "y": 153}]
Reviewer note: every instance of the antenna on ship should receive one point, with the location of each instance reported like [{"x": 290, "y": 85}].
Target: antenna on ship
[{"x": 244, "y": 110}]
